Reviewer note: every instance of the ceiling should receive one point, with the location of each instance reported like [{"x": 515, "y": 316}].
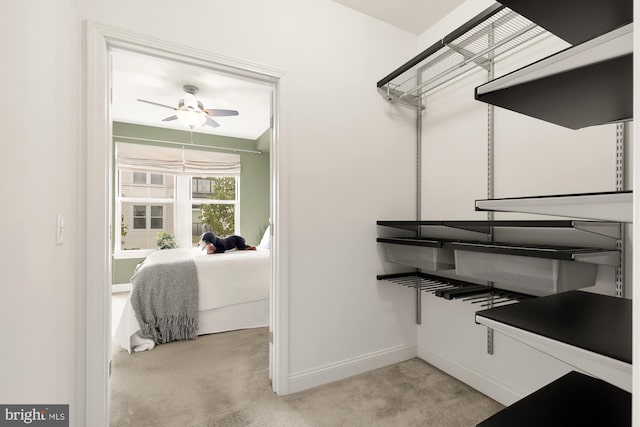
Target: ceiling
[
  {"x": 138, "y": 76},
  {"x": 414, "y": 16}
]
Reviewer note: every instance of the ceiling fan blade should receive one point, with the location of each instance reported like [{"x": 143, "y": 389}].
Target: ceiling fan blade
[
  {"x": 156, "y": 103},
  {"x": 211, "y": 122},
  {"x": 220, "y": 113},
  {"x": 168, "y": 119}
]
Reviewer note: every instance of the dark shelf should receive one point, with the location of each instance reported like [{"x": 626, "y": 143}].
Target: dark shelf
[
  {"x": 484, "y": 226},
  {"x": 462, "y": 292},
  {"x": 477, "y": 20},
  {"x": 557, "y": 196},
  {"x": 585, "y": 85},
  {"x": 565, "y": 253},
  {"x": 602, "y": 206},
  {"x": 597, "y": 323},
  {"x": 411, "y": 241},
  {"x": 575, "y": 21},
  {"x": 574, "y": 399}
]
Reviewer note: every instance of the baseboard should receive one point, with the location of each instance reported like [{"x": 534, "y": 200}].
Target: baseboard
[
  {"x": 310, "y": 378},
  {"x": 495, "y": 390},
  {"x": 121, "y": 287}
]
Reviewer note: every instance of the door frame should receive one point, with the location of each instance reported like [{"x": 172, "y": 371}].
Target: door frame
[{"x": 94, "y": 291}]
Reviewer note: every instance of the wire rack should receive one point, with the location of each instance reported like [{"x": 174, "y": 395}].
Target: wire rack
[
  {"x": 451, "y": 289},
  {"x": 493, "y": 33}
]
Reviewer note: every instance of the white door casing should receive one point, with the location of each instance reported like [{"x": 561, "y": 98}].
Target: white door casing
[{"x": 94, "y": 294}]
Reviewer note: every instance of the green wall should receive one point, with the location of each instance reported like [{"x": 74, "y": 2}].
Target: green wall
[
  {"x": 123, "y": 269},
  {"x": 254, "y": 179}
]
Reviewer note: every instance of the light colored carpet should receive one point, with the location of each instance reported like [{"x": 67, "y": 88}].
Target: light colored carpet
[{"x": 222, "y": 380}]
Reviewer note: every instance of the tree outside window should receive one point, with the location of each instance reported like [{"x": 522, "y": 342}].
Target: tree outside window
[{"x": 217, "y": 197}]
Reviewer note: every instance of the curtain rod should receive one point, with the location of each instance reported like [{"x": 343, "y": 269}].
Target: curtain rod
[{"x": 189, "y": 144}]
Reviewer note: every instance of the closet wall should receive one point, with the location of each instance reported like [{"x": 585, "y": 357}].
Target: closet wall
[
  {"x": 340, "y": 145},
  {"x": 531, "y": 157}
]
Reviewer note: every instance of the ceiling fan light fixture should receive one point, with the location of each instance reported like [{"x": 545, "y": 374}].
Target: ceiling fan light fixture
[
  {"x": 190, "y": 112},
  {"x": 190, "y": 118}
]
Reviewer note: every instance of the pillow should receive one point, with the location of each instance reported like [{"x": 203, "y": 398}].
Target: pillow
[{"x": 265, "y": 243}]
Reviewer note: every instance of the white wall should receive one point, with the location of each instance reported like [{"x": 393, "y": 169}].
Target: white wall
[
  {"x": 351, "y": 157},
  {"x": 345, "y": 148},
  {"x": 40, "y": 86},
  {"x": 531, "y": 158},
  {"x": 453, "y": 20}
]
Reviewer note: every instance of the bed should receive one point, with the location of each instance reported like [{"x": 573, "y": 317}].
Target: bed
[{"x": 232, "y": 292}]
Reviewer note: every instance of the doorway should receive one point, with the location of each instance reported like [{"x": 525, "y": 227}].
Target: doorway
[{"x": 96, "y": 336}]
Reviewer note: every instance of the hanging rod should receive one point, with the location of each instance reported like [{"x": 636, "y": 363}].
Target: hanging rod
[
  {"x": 486, "y": 14},
  {"x": 190, "y": 144},
  {"x": 471, "y": 59}
]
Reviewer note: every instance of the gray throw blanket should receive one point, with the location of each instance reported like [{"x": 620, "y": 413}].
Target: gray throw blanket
[{"x": 165, "y": 300}]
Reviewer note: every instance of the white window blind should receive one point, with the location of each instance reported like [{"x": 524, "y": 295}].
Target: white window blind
[{"x": 175, "y": 161}]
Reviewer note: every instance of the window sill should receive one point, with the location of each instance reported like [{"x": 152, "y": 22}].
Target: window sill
[{"x": 132, "y": 254}]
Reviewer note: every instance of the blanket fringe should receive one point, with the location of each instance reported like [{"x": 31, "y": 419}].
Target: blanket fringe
[{"x": 171, "y": 328}]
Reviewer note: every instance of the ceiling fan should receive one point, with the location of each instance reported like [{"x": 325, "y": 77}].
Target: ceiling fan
[{"x": 191, "y": 112}]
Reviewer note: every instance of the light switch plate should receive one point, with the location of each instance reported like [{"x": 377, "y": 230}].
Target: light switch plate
[{"x": 60, "y": 230}]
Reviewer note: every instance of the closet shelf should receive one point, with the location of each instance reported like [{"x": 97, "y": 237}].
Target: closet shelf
[
  {"x": 606, "y": 206},
  {"x": 585, "y": 85},
  {"x": 589, "y": 331},
  {"x": 604, "y": 228},
  {"x": 488, "y": 35},
  {"x": 574, "y": 399},
  {"x": 429, "y": 254},
  {"x": 451, "y": 289},
  {"x": 563, "y": 253},
  {"x": 411, "y": 241},
  {"x": 575, "y": 21}
]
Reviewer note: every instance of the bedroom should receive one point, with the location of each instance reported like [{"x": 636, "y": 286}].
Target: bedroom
[
  {"x": 175, "y": 179},
  {"x": 332, "y": 120}
]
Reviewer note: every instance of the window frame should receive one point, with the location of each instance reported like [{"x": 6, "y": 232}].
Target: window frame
[
  {"x": 148, "y": 217},
  {"x": 236, "y": 202},
  {"x": 181, "y": 203}
]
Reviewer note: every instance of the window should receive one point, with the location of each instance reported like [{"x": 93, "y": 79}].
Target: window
[
  {"x": 202, "y": 187},
  {"x": 156, "y": 179},
  {"x": 199, "y": 191},
  {"x": 139, "y": 217},
  {"x": 147, "y": 217},
  {"x": 145, "y": 178},
  {"x": 156, "y": 217},
  {"x": 210, "y": 204},
  {"x": 213, "y": 206},
  {"x": 139, "y": 177},
  {"x": 146, "y": 206}
]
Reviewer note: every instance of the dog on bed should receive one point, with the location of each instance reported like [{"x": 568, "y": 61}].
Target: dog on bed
[{"x": 217, "y": 245}]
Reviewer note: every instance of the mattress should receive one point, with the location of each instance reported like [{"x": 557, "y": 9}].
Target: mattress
[{"x": 233, "y": 293}]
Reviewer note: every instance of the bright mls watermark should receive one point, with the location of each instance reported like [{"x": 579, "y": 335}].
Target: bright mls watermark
[{"x": 34, "y": 415}]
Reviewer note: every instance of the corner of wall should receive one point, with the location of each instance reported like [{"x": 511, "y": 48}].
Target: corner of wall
[
  {"x": 462, "y": 13},
  {"x": 309, "y": 378}
]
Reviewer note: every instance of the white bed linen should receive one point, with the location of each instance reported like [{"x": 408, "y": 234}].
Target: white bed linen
[
  {"x": 233, "y": 293},
  {"x": 232, "y": 277}
]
